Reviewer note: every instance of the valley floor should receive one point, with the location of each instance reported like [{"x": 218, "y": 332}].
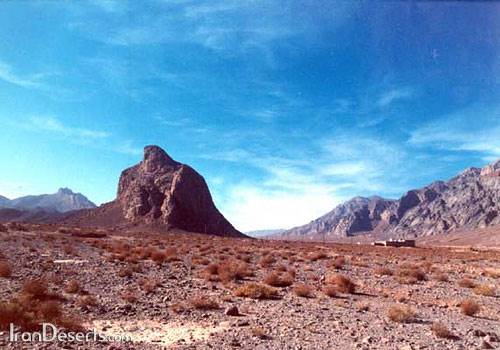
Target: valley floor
[{"x": 189, "y": 291}]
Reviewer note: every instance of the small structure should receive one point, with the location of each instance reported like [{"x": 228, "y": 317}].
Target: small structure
[{"x": 396, "y": 243}]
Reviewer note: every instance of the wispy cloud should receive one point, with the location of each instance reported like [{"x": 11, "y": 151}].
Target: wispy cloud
[
  {"x": 301, "y": 187},
  {"x": 7, "y": 74},
  {"x": 394, "y": 95},
  {"x": 52, "y": 124},
  {"x": 475, "y": 129}
]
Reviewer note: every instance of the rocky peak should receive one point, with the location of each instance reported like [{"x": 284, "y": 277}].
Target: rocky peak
[
  {"x": 65, "y": 191},
  {"x": 492, "y": 169},
  {"x": 156, "y": 158},
  {"x": 162, "y": 192}
]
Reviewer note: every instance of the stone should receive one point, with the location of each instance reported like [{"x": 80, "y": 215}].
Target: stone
[{"x": 232, "y": 311}]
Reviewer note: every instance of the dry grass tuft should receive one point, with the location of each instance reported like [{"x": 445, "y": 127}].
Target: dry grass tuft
[
  {"x": 259, "y": 332},
  {"x": 5, "y": 269},
  {"x": 72, "y": 287},
  {"x": 466, "y": 283},
  {"x": 203, "y": 303},
  {"x": 342, "y": 283},
  {"x": 485, "y": 289},
  {"x": 441, "y": 331},
  {"x": 303, "y": 290},
  {"x": 383, "y": 271},
  {"x": 469, "y": 307},
  {"x": 401, "y": 313},
  {"x": 330, "y": 291},
  {"x": 277, "y": 280},
  {"x": 256, "y": 291}
]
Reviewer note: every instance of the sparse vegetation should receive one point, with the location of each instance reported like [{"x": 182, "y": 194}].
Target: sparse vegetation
[
  {"x": 342, "y": 283},
  {"x": 469, "y": 307},
  {"x": 303, "y": 290},
  {"x": 278, "y": 280},
  {"x": 5, "y": 269},
  {"x": 441, "y": 331},
  {"x": 203, "y": 303},
  {"x": 256, "y": 291},
  {"x": 401, "y": 313},
  {"x": 487, "y": 290}
]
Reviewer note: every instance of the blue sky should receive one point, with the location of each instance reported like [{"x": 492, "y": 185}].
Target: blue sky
[{"x": 286, "y": 107}]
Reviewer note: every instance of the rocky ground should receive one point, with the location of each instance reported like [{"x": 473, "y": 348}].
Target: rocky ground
[{"x": 188, "y": 291}]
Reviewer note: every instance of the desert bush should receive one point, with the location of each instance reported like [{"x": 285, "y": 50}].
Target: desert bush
[
  {"x": 35, "y": 289},
  {"x": 412, "y": 274},
  {"x": 342, "y": 283},
  {"x": 125, "y": 272},
  {"x": 441, "y": 331},
  {"x": 383, "y": 271},
  {"x": 466, "y": 283},
  {"x": 5, "y": 269},
  {"x": 256, "y": 291},
  {"x": 278, "y": 280},
  {"x": 440, "y": 277},
  {"x": 130, "y": 296},
  {"x": 203, "y": 303},
  {"x": 259, "y": 332},
  {"x": 158, "y": 257},
  {"x": 3, "y": 228},
  {"x": 401, "y": 313},
  {"x": 485, "y": 289},
  {"x": 317, "y": 256},
  {"x": 339, "y": 262},
  {"x": 72, "y": 287},
  {"x": 469, "y": 307},
  {"x": 330, "y": 291},
  {"x": 303, "y": 290},
  {"x": 267, "y": 260},
  {"x": 87, "y": 301},
  {"x": 493, "y": 273}
]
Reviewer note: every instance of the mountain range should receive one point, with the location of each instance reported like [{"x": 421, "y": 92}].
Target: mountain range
[
  {"x": 64, "y": 200},
  {"x": 470, "y": 200}
]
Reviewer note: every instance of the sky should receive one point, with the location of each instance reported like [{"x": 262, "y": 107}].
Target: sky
[{"x": 287, "y": 108}]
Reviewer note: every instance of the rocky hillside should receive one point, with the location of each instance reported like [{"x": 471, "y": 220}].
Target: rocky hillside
[
  {"x": 468, "y": 201},
  {"x": 163, "y": 194},
  {"x": 62, "y": 201}
]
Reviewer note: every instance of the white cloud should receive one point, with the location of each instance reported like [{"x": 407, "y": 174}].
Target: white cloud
[
  {"x": 391, "y": 96},
  {"x": 475, "y": 129},
  {"x": 52, "y": 124},
  {"x": 7, "y": 74}
]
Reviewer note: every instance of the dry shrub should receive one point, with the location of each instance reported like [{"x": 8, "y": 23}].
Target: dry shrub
[
  {"x": 35, "y": 289},
  {"x": 383, "y": 271},
  {"x": 440, "y": 277},
  {"x": 330, "y": 291},
  {"x": 148, "y": 285},
  {"x": 256, "y": 291},
  {"x": 401, "y": 313},
  {"x": 258, "y": 332},
  {"x": 469, "y": 307},
  {"x": 317, "y": 256},
  {"x": 5, "y": 269},
  {"x": 485, "y": 289},
  {"x": 87, "y": 301},
  {"x": 363, "y": 306},
  {"x": 493, "y": 273},
  {"x": 129, "y": 295},
  {"x": 466, "y": 283},
  {"x": 441, "y": 331},
  {"x": 303, "y": 290},
  {"x": 158, "y": 257},
  {"x": 339, "y": 262},
  {"x": 410, "y": 275},
  {"x": 203, "y": 303},
  {"x": 3, "y": 228},
  {"x": 227, "y": 271},
  {"x": 277, "y": 280},
  {"x": 125, "y": 272},
  {"x": 34, "y": 306},
  {"x": 72, "y": 287},
  {"x": 342, "y": 283},
  {"x": 267, "y": 260}
]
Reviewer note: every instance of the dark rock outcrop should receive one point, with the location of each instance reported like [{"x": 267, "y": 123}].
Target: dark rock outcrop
[
  {"x": 163, "y": 194},
  {"x": 468, "y": 201}
]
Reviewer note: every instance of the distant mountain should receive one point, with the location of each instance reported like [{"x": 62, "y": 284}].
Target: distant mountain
[
  {"x": 263, "y": 233},
  {"x": 470, "y": 200},
  {"x": 62, "y": 201}
]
